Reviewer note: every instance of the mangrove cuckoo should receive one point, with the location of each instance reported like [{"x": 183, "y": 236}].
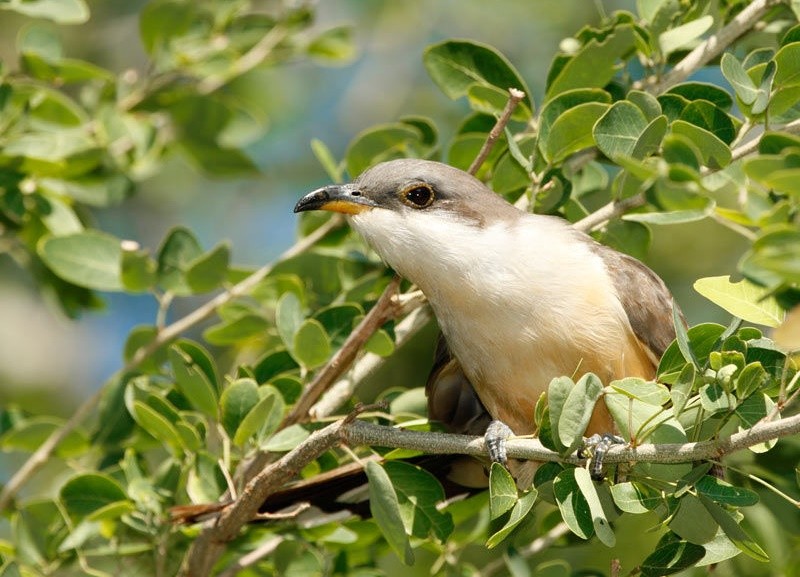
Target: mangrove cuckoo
[{"x": 520, "y": 298}]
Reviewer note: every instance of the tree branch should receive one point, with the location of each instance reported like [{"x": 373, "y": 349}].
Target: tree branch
[
  {"x": 710, "y": 48},
  {"x": 361, "y": 433},
  {"x": 210, "y": 544}
]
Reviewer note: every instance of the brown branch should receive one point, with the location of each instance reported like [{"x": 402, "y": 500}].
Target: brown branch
[
  {"x": 514, "y": 97},
  {"x": 211, "y": 542}
]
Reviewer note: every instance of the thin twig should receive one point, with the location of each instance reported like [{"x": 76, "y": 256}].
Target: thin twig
[
  {"x": 384, "y": 310},
  {"x": 343, "y": 390},
  {"x": 246, "y": 62},
  {"x": 536, "y": 546},
  {"x": 253, "y": 557},
  {"x": 515, "y": 96},
  {"x": 43, "y": 453},
  {"x": 710, "y": 48}
]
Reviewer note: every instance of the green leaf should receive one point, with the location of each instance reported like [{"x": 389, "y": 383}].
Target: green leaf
[
  {"x": 560, "y": 103},
  {"x": 288, "y": 318},
  {"x": 698, "y": 342},
  {"x": 715, "y": 152},
  {"x": 333, "y": 46},
  {"x": 595, "y": 64},
  {"x": 518, "y": 513},
  {"x": 738, "y": 78},
  {"x": 682, "y": 388},
  {"x": 243, "y": 328},
  {"x": 208, "y": 271},
  {"x": 711, "y": 118},
  {"x": 60, "y": 11},
  {"x": 180, "y": 248},
  {"x": 385, "y": 508},
  {"x": 29, "y": 435},
  {"x": 259, "y": 416},
  {"x": 572, "y": 503},
  {"x": 205, "y": 481},
  {"x": 752, "y": 378},
  {"x": 456, "y": 65},
  {"x": 619, "y": 129},
  {"x": 380, "y": 143},
  {"x": 502, "y": 491},
  {"x": 557, "y": 393},
  {"x": 138, "y": 269},
  {"x": 192, "y": 381},
  {"x": 671, "y": 556},
  {"x": 602, "y": 527},
  {"x": 684, "y": 35},
  {"x": 380, "y": 343},
  {"x": 419, "y": 493},
  {"x": 88, "y": 259},
  {"x": 742, "y": 299},
  {"x": 648, "y": 392},
  {"x": 635, "y": 498},
  {"x": 88, "y": 493},
  {"x": 311, "y": 346},
  {"x": 577, "y": 411},
  {"x": 237, "y": 400},
  {"x": 156, "y": 424},
  {"x": 786, "y": 59},
  {"x": 723, "y": 493},
  {"x": 572, "y": 131},
  {"x": 285, "y": 439},
  {"x": 774, "y": 256},
  {"x": 692, "y": 522},
  {"x": 734, "y": 531}
]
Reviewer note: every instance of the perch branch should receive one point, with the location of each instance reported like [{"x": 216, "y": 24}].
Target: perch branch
[{"x": 210, "y": 544}]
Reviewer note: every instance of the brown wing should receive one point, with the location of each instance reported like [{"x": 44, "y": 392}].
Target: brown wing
[
  {"x": 451, "y": 398},
  {"x": 645, "y": 298}
]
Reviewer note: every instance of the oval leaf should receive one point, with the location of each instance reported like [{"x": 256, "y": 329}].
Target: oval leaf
[{"x": 89, "y": 259}]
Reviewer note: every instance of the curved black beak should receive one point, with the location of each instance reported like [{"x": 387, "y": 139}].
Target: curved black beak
[{"x": 344, "y": 198}]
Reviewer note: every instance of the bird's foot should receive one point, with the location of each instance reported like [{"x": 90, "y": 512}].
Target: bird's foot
[
  {"x": 497, "y": 433},
  {"x": 595, "y": 449}
]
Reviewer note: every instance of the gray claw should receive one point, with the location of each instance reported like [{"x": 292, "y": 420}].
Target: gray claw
[
  {"x": 495, "y": 438},
  {"x": 595, "y": 449}
]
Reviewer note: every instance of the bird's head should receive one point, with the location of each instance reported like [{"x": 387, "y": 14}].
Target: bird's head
[
  {"x": 415, "y": 212},
  {"x": 408, "y": 186}
]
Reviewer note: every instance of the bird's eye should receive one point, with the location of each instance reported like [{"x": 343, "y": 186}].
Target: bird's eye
[{"x": 418, "y": 195}]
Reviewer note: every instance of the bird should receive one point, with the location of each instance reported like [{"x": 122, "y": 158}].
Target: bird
[{"x": 520, "y": 298}]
